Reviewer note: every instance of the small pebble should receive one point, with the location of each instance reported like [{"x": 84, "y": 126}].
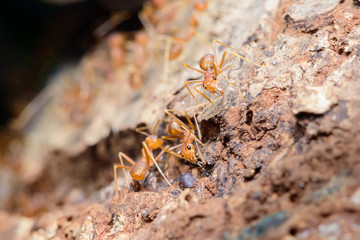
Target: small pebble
[{"x": 187, "y": 180}]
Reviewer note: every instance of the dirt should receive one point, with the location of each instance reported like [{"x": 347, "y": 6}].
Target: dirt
[{"x": 282, "y": 164}]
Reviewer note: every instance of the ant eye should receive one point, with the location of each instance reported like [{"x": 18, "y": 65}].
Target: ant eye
[{"x": 188, "y": 147}]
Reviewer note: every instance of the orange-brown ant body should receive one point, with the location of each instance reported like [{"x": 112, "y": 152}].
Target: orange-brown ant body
[
  {"x": 179, "y": 130},
  {"x": 210, "y": 69},
  {"x": 139, "y": 170}
]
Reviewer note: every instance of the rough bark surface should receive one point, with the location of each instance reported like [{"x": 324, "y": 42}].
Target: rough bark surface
[{"x": 282, "y": 164}]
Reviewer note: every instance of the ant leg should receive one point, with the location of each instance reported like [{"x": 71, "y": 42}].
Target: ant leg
[
  {"x": 197, "y": 106},
  {"x": 166, "y": 149},
  {"x": 239, "y": 90},
  {"x": 202, "y": 38},
  {"x": 192, "y": 126},
  {"x": 167, "y": 162},
  {"x": 180, "y": 156},
  {"x": 116, "y": 166},
  {"x": 237, "y": 55},
  {"x": 123, "y": 155},
  {"x": 221, "y": 72},
  {"x": 178, "y": 163},
  {"x": 168, "y": 112},
  {"x": 199, "y": 71},
  {"x": 186, "y": 85},
  {"x": 121, "y": 165},
  {"x": 140, "y": 130},
  {"x": 200, "y": 85},
  {"x": 198, "y": 149},
  {"x": 149, "y": 154},
  {"x": 224, "y": 54},
  {"x": 214, "y": 51},
  {"x": 198, "y": 139},
  {"x": 156, "y": 125},
  {"x": 170, "y": 137},
  {"x": 171, "y": 151},
  {"x": 176, "y": 160},
  {"x": 189, "y": 121},
  {"x": 232, "y": 84}
]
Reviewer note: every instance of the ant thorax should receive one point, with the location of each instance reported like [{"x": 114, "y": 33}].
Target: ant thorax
[
  {"x": 189, "y": 137},
  {"x": 188, "y": 151},
  {"x": 153, "y": 142}
]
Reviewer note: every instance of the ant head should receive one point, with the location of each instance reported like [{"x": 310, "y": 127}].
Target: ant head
[
  {"x": 153, "y": 142},
  {"x": 189, "y": 152},
  {"x": 207, "y": 62},
  {"x": 139, "y": 170},
  {"x": 213, "y": 86}
]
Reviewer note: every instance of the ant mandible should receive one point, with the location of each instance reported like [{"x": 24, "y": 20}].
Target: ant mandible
[
  {"x": 211, "y": 69},
  {"x": 139, "y": 169},
  {"x": 179, "y": 130}
]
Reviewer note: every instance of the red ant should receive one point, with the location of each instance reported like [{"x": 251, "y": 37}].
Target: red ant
[
  {"x": 211, "y": 69},
  {"x": 139, "y": 169},
  {"x": 179, "y": 130}
]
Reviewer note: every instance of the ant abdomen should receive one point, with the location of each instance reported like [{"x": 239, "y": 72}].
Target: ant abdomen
[
  {"x": 174, "y": 128},
  {"x": 138, "y": 170},
  {"x": 207, "y": 62}
]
